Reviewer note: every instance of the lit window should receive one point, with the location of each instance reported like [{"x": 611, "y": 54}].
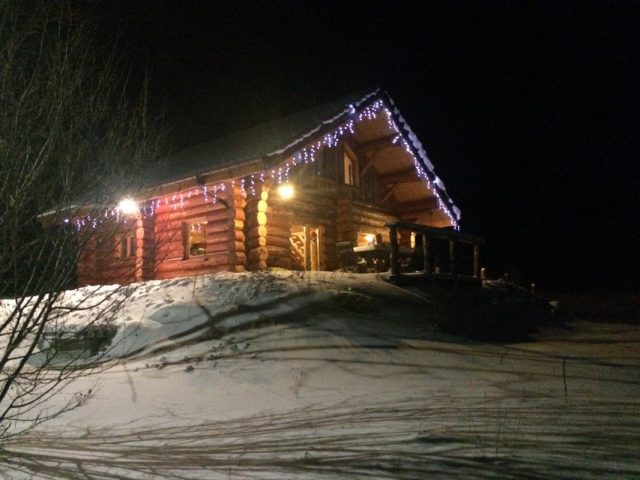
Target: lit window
[
  {"x": 367, "y": 238},
  {"x": 127, "y": 247},
  {"x": 195, "y": 239}
]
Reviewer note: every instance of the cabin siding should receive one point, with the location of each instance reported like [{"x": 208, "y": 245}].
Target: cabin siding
[
  {"x": 109, "y": 267},
  {"x": 241, "y": 232},
  {"x": 355, "y": 217},
  {"x": 280, "y": 219},
  {"x": 255, "y": 231},
  {"x": 388, "y": 178},
  {"x": 224, "y": 237},
  {"x": 145, "y": 253},
  {"x": 100, "y": 260},
  {"x": 86, "y": 267}
]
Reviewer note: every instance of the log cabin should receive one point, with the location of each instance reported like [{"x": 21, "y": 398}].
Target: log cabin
[{"x": 282, "y": 194}]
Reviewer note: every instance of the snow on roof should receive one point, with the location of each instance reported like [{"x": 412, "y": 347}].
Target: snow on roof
[
  {"x": 256, "y": 142},
  {"x": 284, "y": 136}
]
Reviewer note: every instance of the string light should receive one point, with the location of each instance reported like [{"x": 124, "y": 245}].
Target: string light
[{"x": 307, "y": 155}]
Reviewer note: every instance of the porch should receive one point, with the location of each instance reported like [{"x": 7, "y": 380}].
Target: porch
[{"x": 417, "y": 252}]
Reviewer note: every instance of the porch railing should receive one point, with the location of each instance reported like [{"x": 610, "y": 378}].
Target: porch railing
[{"x": 424, "y": 238}]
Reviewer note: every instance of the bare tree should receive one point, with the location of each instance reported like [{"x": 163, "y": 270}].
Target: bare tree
[{"x": 71, "y": 141}]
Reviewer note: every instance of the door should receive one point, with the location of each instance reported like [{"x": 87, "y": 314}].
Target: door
[{"x": 305, "y": 247}]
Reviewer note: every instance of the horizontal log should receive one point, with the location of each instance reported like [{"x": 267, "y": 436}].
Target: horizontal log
[
  {"x": 278, "y": 251},
  {"x": 169, "y": 230},
  {"x": 217, "y": 236},
  {"x": 256, "y": 242},
  {"x": 202, "y": 214},
  {"x": 280, "y": 262},
  {"x": 371, "y": 213},
  {"x": 191, "y": 272},
  {"x": 279, "y": 221},
  {"x": 237, "y": 247},
  {"x": 163, "y": 246},
  {"x": 238, "y": 258},
  {"x": 411, "y": 216},
  {"x": 269, "y": 240},
  {"x": 200, "y": 209},
  {"x": 424, "y": 204},
  {"x": 373, "y": 218},
  {"x": 278, "y": 241},
  {"x": 201, "y": 262},
  {"x": 171, "y": 251},
  {"x": 268, "y": 231},
  {"x": 223, "y": 225},
  {"x": 225, "y": 246},
  {"x": 237, "y": 224},
  {"x": 277, "y": 231},
  {"x": 239, "y": 214},
  {"x": 260, "y": 253},
  {"x": 219, "y": 215},
  {"x": 256, "y": 231}
]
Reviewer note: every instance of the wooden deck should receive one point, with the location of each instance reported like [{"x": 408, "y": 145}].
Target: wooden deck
[{"x": 429, "y": 261}]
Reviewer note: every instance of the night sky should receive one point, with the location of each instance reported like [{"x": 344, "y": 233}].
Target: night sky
[{"x": 530, "y": 111}]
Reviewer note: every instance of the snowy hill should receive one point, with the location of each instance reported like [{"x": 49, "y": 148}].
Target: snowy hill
[{"x": 288, "y": 375}]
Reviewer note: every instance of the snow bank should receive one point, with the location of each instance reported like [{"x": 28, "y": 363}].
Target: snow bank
[{"x": 286, "y": 375}]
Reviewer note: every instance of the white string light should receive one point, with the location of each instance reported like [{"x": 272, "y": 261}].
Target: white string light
[{"x": 309, "y": 154}]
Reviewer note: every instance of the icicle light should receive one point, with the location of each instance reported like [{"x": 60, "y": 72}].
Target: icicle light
[{"x": 250, "y": 184}]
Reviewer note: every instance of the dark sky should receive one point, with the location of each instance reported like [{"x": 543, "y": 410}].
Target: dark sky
[{"x": 530, "y": 111}]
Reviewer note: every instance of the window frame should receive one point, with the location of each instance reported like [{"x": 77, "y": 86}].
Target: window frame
[
  {"x": 127, "y": 247},
  {"x": 350, "y": 159},
  {"x": 187, "y": 243}
]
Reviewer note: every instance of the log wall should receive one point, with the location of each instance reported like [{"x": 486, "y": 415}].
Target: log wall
[
  {"x": 268, "y": 226},
  {"x": 224, "y": 235},
  {"x": 86, "y": 268},
  {"x": 354, "y": 217},
  {"x": 255, "y": 230},
  {"x": 109, "y": 268},
  {"x": 146, "y": 248},
  {"x": 100, "y": 262}
]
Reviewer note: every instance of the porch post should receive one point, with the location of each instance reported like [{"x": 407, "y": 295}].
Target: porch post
[
  {"x": 452, "y": 257},
  {"x": 425, "y": 254},
  {"x": 393, "y": 254},
  {"x": 476, "y": 260},
  {"x": 307, "y": 248}
]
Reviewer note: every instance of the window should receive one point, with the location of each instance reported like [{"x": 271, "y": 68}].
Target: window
[
  {"x": 368, "y": 238},
  {"x": 195, "y": 239},
  {"x": 127, "y": 247},
  {"x": 349, "y": 170}
]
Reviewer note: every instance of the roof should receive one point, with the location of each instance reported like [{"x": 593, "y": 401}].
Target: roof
[
  {"x": 288, "y": 134},
  {"x": 256, "y": 142}
]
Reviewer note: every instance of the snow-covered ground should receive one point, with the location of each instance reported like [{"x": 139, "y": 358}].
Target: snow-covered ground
[{"x": 281, "y": 374}]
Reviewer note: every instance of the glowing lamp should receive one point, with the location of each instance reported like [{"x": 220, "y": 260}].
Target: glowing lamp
[
  {"x": 128, "y": 206},
  {"x": 370, "y": 238},
  {"x": 286, "y": 191}
]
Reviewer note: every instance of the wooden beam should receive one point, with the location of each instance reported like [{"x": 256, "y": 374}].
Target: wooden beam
[
  {"x": 376, "y": 144},
  {"x": 366, "y": 167},
  {"x": 388, "y": 194},
  {"x": 426, "y": 204},
  {"x": 402, "y": 176}
]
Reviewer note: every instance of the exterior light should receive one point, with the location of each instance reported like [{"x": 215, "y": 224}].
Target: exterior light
[
  {"x": 286, "y": 191},
  {"x": 370, "y": 238},
  {"x": 128, "y": 206}
]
